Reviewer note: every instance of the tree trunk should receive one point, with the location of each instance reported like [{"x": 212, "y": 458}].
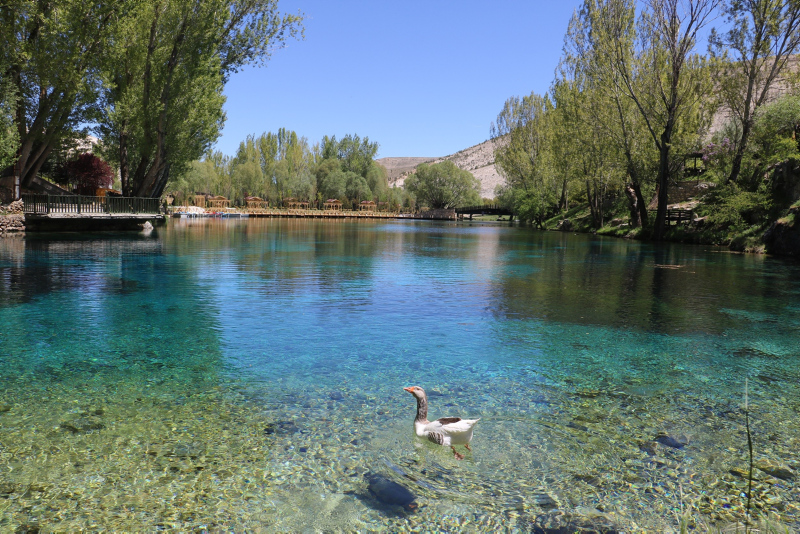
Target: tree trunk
[
  {"x": 736, "y": 167},
  {"x": 124, "y": 170},
  {"x": 636, "y": 219},
  {"x": 662, "y": 185}
]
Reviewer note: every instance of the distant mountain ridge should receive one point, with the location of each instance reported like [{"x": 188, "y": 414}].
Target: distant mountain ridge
[{"x": 477, "y": 159}]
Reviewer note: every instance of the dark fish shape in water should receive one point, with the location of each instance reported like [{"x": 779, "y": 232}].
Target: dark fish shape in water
[
  {"x": 390, "y": 492},
  {"x": 669, "y": 441}
]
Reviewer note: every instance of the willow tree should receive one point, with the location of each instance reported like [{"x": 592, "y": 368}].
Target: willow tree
[
  {"x": 165, "y": 73},
  {"x": 50, "y": 54},
  {"x": 762, "y": 35}
]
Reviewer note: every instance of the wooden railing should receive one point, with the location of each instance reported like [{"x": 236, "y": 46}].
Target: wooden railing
[{"x": 49, "y": 204}]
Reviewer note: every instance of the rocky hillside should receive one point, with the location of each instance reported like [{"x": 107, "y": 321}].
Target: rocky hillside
[{"x": 478, "y": 159}]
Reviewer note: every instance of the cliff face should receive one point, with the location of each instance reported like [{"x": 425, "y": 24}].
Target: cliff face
[{"x": 478, "y": 160}]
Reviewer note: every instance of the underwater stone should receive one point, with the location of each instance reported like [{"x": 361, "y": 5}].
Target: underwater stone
[
  {"x": 777, "y": 471},
  {"x": 336, "y": 395},
  {"x": 676, "y": 443},
  {"x": 83, "y": 424},
  {"x": 5, "y": 407},
  {"x": 543, "y": 500},
  {"x": 649, "y": 447},
  {"x": 281, "y": 427},
  {"x": 185, "y": 450},
  {"x": 390, "y": 492},
  {"x": 741, "y": 473}
]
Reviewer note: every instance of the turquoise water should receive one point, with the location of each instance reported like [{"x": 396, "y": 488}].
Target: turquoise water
[{"x": 248, "y": 375}]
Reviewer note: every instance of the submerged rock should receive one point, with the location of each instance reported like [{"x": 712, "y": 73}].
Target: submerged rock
[
  {"x": 5, "y": 407},
  {"x": 543, "y": 500},
  {"x": 83, "y": 424},
  {"x": 649, "y": 447},
  {"x": 775, "y": 470},
  {"x": 669, "y": 441},
  {"x": 582, "y": 519},
  {"x": 281, "y": 427},
  {"x": 185, "y": 450},
  {"x": 387, "y": 491}
]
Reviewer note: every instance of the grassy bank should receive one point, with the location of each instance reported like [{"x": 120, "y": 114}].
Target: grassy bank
[{"x": 740, "y": 221}]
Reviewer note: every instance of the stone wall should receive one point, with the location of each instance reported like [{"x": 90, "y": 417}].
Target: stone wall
[{"x": 11, "y": 218}]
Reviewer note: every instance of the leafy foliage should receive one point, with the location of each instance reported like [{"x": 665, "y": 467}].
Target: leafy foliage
[
  {"x": 279, "y": 165},
  {"x": 88, "y": 173},
  {"x": 50, "y": 58},
  {"x": 443, "y": 185}
]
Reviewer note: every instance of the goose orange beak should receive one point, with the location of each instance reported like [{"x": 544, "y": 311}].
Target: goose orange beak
[{"x": 408, "y": 389}]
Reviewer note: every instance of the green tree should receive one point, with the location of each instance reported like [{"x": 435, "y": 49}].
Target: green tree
[
  {"x": 334, "y": 184},
  {"x": 165, "y": 78},
  {"x": 50, "y": 54},
  {"x": 356, "y": 187},
  {"x": 598, "y": 33},
  {"x": 443, "y": 185},
  {"x": 524, "y": 156},
  {"x": 377, "y": 179},
  {"x": 8, "y": 135},
  {"x": 323, "y": 169},
  {"x": 354, "y": 154},
  {"x": 762, "y": 36},
  {"x": 665, "y": 79}
]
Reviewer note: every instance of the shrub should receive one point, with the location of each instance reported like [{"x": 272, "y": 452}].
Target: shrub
[{"x": 88, "y": 173}]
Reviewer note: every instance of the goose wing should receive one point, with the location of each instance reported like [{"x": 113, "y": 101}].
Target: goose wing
[{"x": 450, "y": 425}]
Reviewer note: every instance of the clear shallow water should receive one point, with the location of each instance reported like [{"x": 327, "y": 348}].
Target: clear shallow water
[{"x": 248, "y": 374}]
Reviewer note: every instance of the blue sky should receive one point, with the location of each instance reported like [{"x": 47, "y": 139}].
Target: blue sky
[{"x": 422, "y": 78}]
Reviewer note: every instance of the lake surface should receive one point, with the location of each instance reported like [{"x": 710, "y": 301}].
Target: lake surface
[{"x": 249, "y": 375}]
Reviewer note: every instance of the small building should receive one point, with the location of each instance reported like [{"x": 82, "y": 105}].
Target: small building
[
  {"x": 218, "y": 202},
  {"x": 367, "y": 205},
  {"x": 200, "y": 200},
  {"x": 333, "y": 204},
  {"x": 693, "y": 165},
  {"x": 256, "y": 203},
  {"x": 295, "y": 204}
]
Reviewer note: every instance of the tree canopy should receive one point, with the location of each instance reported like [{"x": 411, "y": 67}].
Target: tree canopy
[
  {"x": 443, "y": 185},
  {"x": 149, "y": 72}
]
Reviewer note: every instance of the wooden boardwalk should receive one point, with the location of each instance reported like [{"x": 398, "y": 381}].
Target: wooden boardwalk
[
  {"x": 321, "y": 214},
  {"x": 294, "y": 213}
]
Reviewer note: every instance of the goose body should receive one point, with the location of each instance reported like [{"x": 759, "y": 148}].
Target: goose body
[{"x": 447, "y": 431}]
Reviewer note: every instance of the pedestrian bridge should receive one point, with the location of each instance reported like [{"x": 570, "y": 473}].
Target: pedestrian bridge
[{"x": 485, "y": 209}]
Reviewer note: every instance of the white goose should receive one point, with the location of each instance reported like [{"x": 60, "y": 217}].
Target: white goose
[{"x": 447, "y": 431}]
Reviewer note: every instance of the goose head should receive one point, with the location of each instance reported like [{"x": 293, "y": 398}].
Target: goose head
[{"x": 417, "y": 391}]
